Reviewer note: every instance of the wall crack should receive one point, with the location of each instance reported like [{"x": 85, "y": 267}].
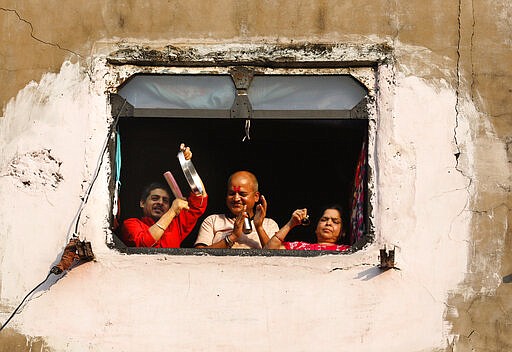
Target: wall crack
[
  {"x": 491, "y": 210},
  {"x": 351, "y": 267},
  {"x": 457, "y": 106},
  {"x": 32, "y": 32},
  {"x": 457, "y": 91}
]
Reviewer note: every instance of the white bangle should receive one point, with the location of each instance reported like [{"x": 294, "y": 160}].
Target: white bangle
[{"x": 159, "y": 226}]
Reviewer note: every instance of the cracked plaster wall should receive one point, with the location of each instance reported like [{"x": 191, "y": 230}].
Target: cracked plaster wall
[{"x": 447, "y": 215}]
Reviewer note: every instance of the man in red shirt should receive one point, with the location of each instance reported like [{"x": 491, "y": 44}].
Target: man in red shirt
[{"x": 164, "y": 225}]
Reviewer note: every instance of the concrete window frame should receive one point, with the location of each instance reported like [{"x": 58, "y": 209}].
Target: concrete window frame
[{"x": 365, "y": 71}]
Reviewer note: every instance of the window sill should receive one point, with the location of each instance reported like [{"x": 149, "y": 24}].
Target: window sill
[{"x": 223, "y": 252}]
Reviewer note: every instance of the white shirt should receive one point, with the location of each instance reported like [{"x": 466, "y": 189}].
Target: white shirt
[{"x": 217, "y": 226}]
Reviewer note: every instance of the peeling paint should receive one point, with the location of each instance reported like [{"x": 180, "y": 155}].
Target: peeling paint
[
  {"x": 403, "y": 149},
  {"x": 340, "y": 55},
  {"x": 13, "y": 341},
  {"x": 442, "y": 195},
  {"x": 34, "y": 169}
]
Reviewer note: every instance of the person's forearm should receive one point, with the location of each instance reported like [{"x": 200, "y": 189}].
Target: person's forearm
[
  {"x": 275, "y": 242},
  {"x": 158, "y": 228},
  {"x": 197, "y": 203},
  {"x": 221, "y": 244},
  {"x": 262, "y": 234},
  {"x": 188, "y": 218}
]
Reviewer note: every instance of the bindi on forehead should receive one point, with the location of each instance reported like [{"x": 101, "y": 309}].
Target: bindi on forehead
[{"x": 236, "y": 188}]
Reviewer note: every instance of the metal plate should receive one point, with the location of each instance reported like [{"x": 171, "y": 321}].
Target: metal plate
[{"x": 193, "y": 179}]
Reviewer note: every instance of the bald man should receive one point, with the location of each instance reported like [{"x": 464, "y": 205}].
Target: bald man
[{"x": 243, "y": 201}]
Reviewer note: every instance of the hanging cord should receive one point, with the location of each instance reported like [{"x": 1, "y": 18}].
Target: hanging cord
[
  {"x": 247, "y": 130},
  {"x": 76, "y": 251},
  {"x": 19, "y": 306},
  {"x": 76, "y": 219}
]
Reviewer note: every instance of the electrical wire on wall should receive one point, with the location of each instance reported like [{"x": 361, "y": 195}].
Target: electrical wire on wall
[
  {"x": 85, "y": 198},
  {"x": 76, "y": 251}
]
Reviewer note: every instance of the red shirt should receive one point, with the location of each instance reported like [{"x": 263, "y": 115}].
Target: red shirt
[
  {"x": 135, "y": 232},
  {"x": 315, "y": 246}
]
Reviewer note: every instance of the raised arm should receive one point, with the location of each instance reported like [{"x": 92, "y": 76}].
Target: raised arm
[
  {"x": 187, "y": 153},
  {"x": 135, "y": 232},
  {"x": 158, "y": 228},
  {"x": 276, "y": 241}
]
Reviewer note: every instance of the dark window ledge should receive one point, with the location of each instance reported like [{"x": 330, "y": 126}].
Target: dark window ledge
[{"x": 222, "y": 252}]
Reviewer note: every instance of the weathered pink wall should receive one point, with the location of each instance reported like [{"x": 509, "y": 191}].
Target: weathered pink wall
[{"x": 450, "y": 94}]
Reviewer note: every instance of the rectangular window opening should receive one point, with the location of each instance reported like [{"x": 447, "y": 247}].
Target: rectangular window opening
[{"x": 303, "y": 162}]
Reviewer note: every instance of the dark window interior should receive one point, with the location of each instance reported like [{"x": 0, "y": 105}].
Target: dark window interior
[{"x": 302, "y": 163}]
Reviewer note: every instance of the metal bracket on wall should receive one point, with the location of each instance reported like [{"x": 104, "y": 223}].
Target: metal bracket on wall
[
  {"x": 76, "y": 252},
  {"x": 387, "y": 259},
  {"x": 242, "y": 77}
]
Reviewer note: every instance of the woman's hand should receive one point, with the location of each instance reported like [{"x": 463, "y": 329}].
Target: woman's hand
[{"x": 297, "y": 217}]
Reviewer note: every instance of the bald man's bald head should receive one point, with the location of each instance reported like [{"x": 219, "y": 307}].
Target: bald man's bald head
[
  {"x": 242, "y": 191},
  {"x": 245, "y": 174}
]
